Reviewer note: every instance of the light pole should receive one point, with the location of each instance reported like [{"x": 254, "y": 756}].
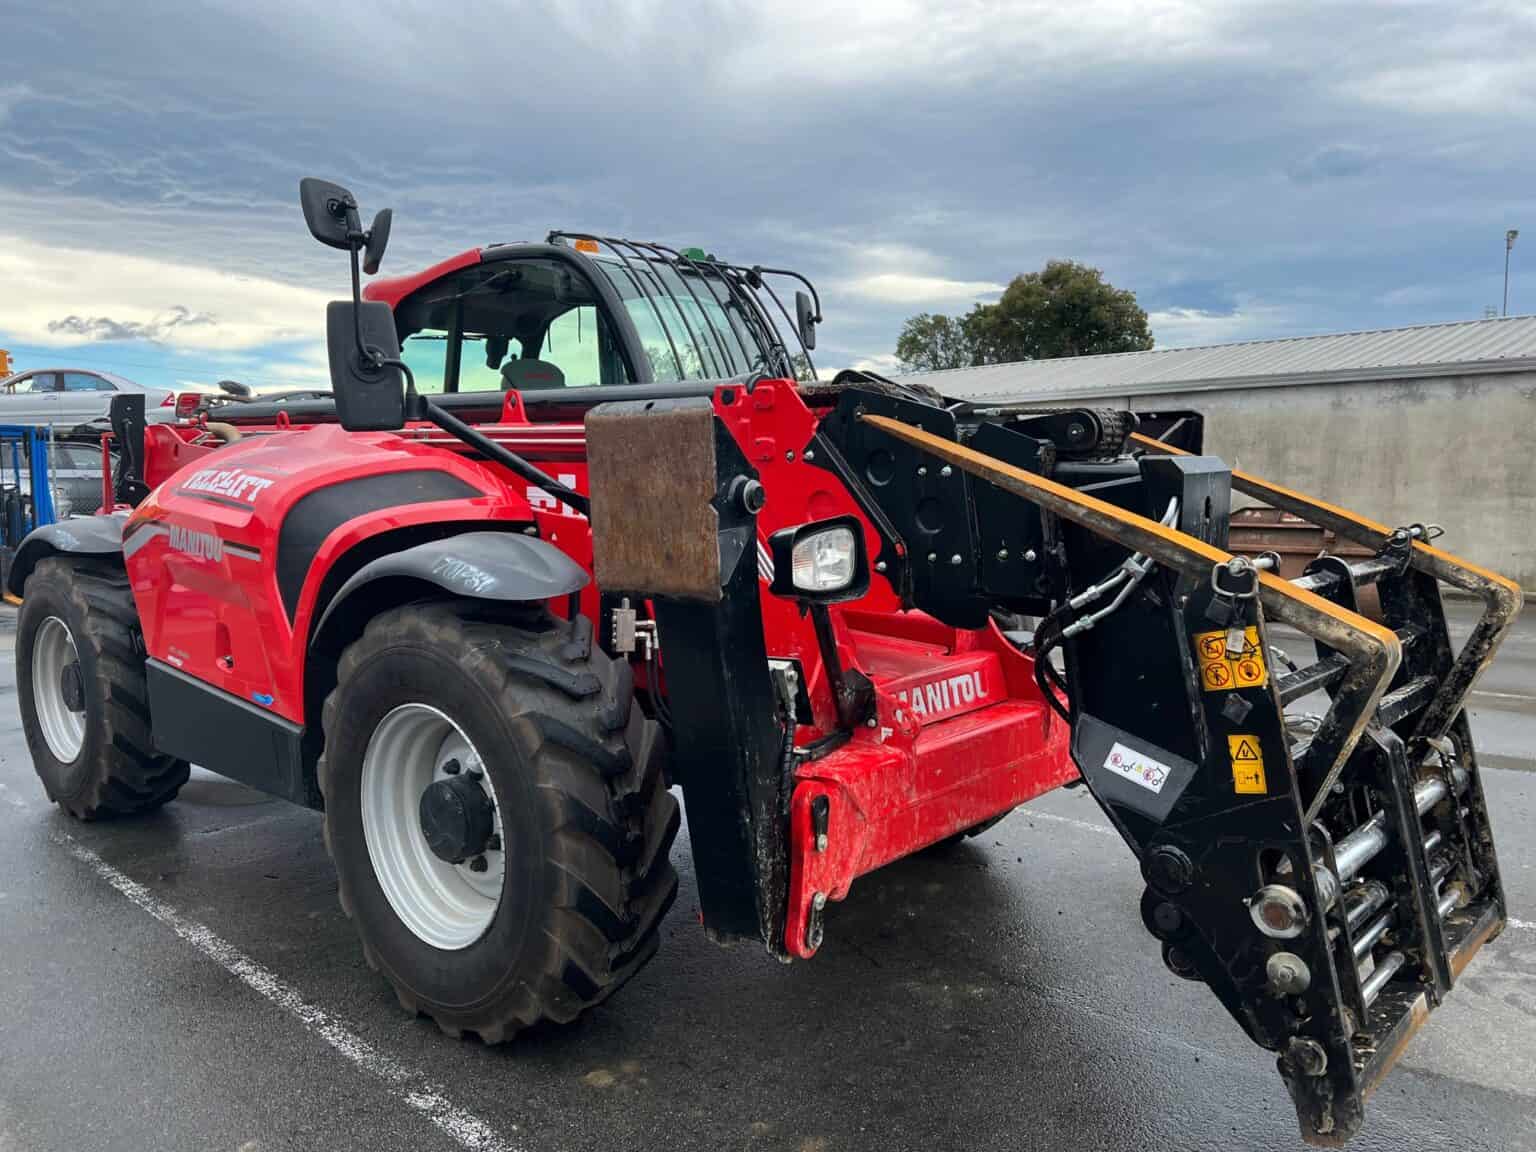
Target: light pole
[{"x": 1509, "y": 244}]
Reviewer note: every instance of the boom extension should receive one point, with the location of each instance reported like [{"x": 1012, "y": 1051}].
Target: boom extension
[{"x": 1329, "y": 876}]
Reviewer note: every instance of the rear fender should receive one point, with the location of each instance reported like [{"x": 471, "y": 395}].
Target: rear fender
[{"x": 85, "y": 536}]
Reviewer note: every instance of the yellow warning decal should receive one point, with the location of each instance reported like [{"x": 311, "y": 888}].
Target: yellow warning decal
[
  {"x": 1247, "y": 765},
  {"x": 1221, "y": 671}
]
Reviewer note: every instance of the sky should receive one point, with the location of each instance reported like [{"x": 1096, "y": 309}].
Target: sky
[{"x": 1249, "y": 170}]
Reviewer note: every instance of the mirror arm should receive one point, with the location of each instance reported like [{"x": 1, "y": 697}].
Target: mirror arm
[{"x": 367, "y": 357}]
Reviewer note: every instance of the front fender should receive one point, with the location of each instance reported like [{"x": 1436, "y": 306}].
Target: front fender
[
  {"x": 77, "y": 536},
  {"x": 479, "y": 565}
]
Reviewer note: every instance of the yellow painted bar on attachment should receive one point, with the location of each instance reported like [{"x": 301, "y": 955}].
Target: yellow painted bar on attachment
[
  {"x": 1373, "y": 650},
  {"x": 1501, "y": 596}
]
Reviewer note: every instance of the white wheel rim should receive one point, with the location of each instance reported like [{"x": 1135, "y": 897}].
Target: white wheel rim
[
  {"x": 448, "y": 906},
  {"x": 53, "y": 650}
]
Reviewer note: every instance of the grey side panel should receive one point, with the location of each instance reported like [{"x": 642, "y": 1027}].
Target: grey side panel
[
  {"x": 480, "y": 565},
  {"x": 225, "y": 734},
  {"x": 83, "y": 536}
]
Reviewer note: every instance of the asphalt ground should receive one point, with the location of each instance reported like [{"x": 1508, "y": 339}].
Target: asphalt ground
[{"x": 187, "y": 981}]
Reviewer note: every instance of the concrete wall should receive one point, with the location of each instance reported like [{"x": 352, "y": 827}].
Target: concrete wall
[{"x": 1456, "y": 451}]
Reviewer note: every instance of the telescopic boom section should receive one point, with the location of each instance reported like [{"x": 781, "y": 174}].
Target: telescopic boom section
[{"x": 1329, "y": 876}]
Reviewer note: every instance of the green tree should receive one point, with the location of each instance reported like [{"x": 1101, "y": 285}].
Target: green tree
[
  {"x": 928, "y": 343},
  {"x": 1067, "y": 309}
]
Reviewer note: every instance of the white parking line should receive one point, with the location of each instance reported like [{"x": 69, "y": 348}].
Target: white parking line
[
  {"x": 1096, "y": 829},
  {"x": 1517, "y": 697},
  {"x": 411, "y": 1088}
]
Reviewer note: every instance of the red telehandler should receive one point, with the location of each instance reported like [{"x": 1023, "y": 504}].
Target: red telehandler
[{"x": 588, "y": 537}]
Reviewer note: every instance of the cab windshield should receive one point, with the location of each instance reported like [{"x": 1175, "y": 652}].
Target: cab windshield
[{"x": 691, "y": 325}]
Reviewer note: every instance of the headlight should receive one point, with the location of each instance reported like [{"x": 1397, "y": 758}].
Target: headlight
[
  {"x": 821, "y": 561},
  {"x": 824, "y": 561}
]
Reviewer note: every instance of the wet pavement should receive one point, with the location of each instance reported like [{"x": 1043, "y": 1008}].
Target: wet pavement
[{"x": 187, "y": 981}]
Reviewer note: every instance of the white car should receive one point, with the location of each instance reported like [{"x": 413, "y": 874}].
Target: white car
[{"x": 69, "y": 397}]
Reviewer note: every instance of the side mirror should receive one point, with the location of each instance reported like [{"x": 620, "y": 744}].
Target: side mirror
[
  {"x": 806, "y": 320},
  {"x": 368, "y": 398},
  {"x": 378, "y": 240},
  {"x": 331, "y": 213}
]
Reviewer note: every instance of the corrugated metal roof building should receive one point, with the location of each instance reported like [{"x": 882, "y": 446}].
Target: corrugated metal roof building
[
  {"x": 1435, "y": 423},
  {"x": 1465, "y": 348}
]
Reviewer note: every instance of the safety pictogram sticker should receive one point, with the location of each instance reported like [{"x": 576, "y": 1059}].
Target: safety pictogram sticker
[
  {"x": 1221, "y": 672},
  {"x": 1216, "y": 677},
  {"x": 1247, "y": 765}
]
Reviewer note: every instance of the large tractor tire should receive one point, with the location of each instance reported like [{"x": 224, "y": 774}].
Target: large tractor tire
[
  {"x": 497, "y": 815},
  {"x": 84, "y": 704}
]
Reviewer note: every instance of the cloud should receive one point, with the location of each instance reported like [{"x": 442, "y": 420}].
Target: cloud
[
  {"x": 63, "y": 297},
  {"x": 906, "y": 156},
  {"x": 10, "y": 96},
  {"x": 885, "y": 365},
  {"x": 105, "y": 328},
  {"x": 1192, "y": 327},
  {"x": 1332, "y": 162},
  {"x": 904, "y": 288}
]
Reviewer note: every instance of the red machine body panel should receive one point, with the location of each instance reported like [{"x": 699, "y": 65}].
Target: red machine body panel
[
  {"x": 393, "y": 289},
  {"x": 962, "y": 732},
  {"x": 227, "y": 556}
]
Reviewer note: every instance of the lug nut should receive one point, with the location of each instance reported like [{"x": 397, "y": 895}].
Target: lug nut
[
  {"x": 451, "y": 768},
  {"x": 474, "y": 774},
  {"x": 478, "y": 864},
  {"x": 493, "y": 842}
]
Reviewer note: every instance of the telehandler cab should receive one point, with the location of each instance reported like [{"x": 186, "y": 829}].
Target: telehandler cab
[{"x": 587, "y": 537}]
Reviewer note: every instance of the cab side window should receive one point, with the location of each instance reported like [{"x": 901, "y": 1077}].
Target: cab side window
[
  {"x": 426, "y": 352},
  {"x": 525, "y": 324},
  {"x": 84, "y": 382},
  {"x": 573, "y": 344}
]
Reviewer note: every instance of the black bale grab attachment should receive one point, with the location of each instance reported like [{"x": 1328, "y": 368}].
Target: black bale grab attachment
[{"x": 1328, "y": 875}]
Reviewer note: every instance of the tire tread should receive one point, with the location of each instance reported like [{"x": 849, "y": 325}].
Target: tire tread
[
  {"x": 610, "y": 821},
  {"x": 128, "y": 776}
]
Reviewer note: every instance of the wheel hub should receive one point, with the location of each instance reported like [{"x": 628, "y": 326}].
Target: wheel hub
[
  {"x": 434, "y": 844},
  {"x": 72, "y": 687},
  {"x": 456, "y": 818},
  {"x": 58, "y": 690}
]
